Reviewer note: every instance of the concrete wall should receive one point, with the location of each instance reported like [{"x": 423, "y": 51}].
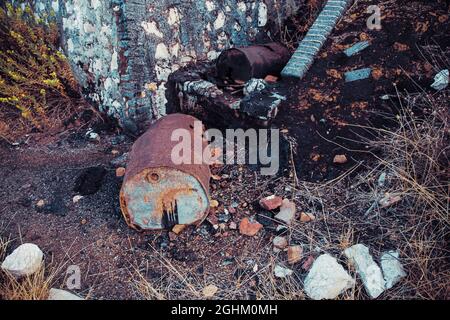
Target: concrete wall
[{"x": 122, "y": 51}]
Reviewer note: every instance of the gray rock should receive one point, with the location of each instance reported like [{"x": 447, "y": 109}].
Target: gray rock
[
  {"x": 367, "y": 269},
  {"x": 24, "y": 260},
  {"x": 327, "y": 279},
  {"x": 392, "y": 268},
  {"x": 280, "y": 242},
  {"x": 287, "y": 212},
  {"x": 58, "y": 294},
  {"x": 441, "y": 80},
  {"x": 282, "y": 272}
]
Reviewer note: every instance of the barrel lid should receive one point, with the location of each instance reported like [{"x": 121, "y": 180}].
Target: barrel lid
[{"x": 158, "y": 198}]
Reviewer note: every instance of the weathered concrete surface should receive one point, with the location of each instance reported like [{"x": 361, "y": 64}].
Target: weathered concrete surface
[{"x": 123, "y": 51}]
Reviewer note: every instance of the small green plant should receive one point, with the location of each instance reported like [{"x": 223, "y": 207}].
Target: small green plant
[{"x": 37, "y": 88}]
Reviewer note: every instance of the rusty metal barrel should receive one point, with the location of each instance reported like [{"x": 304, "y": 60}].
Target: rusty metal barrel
[
  {"x": 157, "y": 193},
  {"x": 255, "y": 61}
]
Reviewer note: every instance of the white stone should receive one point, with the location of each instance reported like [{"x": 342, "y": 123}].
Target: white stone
[
  {"x": 327, "y": 279},
  {"x": 151, "y": 28},
  {"x": 174, "y": 16},
  {"x": 441, "y": 80},
  {"x": 262, "y": 14},
  {"x": 210, "y": 6},
  {"x": 367, "y": 269},
  {"x": 242, "y": 6},
  {"x": 392, "y": 268},
  {"x": 24, "y": 260},
  {"x": 77, "y": 198},
  {"x": 282, "y": 272},
  {"x": 220, "y": 20},
  {"x": 162, "y": 53},
  {"x": 114, "y": 61},
  {"x": 58, "y": 294}
]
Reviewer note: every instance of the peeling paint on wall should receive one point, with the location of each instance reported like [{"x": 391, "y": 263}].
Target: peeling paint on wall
[{"x": 118, "y": 47}]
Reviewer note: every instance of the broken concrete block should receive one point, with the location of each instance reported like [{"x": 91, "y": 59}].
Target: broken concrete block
[
  {"x": 356, "y": 75},
  {"x": 58, "y": 294},
  {"x": 367, "y": 269},
  {"x": 25, "y": 260},
  {"x": 441, "y": 80},
  {"x": 392, "y": 268},
  {"x": 356, "y": 48},
  {"x": 327, "y": 279}
]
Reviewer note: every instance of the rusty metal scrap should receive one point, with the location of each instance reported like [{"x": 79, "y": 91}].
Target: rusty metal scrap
[
  {"x": 156, "y": 193},
  {"x": 256, "y": 61}
]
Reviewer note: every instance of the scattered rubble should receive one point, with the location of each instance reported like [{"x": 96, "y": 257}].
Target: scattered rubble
[
  {"x": 91, "y": 135},
  {"x": 441, "y": 80},
  {"x": 356, "y": 75},
  {"x": 232, "y": 225},
  {"x": 214, "y": 203},
  {"x": 389, "y": 200},
  {"x": 271, "y": 202},
  {"x": 327, "y": 279},
  {"x": 307, "y": 217},
  {"x": 287, "y": 212},
  {"x": 120, "y": 172},
  {"x": 295, "y": 254},
  {"x": 178, "y": 228},
  {"x": 271, "y": 79},
  {"x": 280, "y": 242},
  {"x": 392, "y": 268},
  {"x": 40, "y": 203},
  {"x": 209, "y": 291},
  {"x": 25, "y": 260},
  {"x": 249, "y": 227},
  {"x": 77, "y": 198},
  {"x": 282, "y": 272},
  {"x": 59, "y": 294},
  {"x": 356, "y": 48},
  {"x": 367, "y": 269},
  {"x": 340, "y": 159}
]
